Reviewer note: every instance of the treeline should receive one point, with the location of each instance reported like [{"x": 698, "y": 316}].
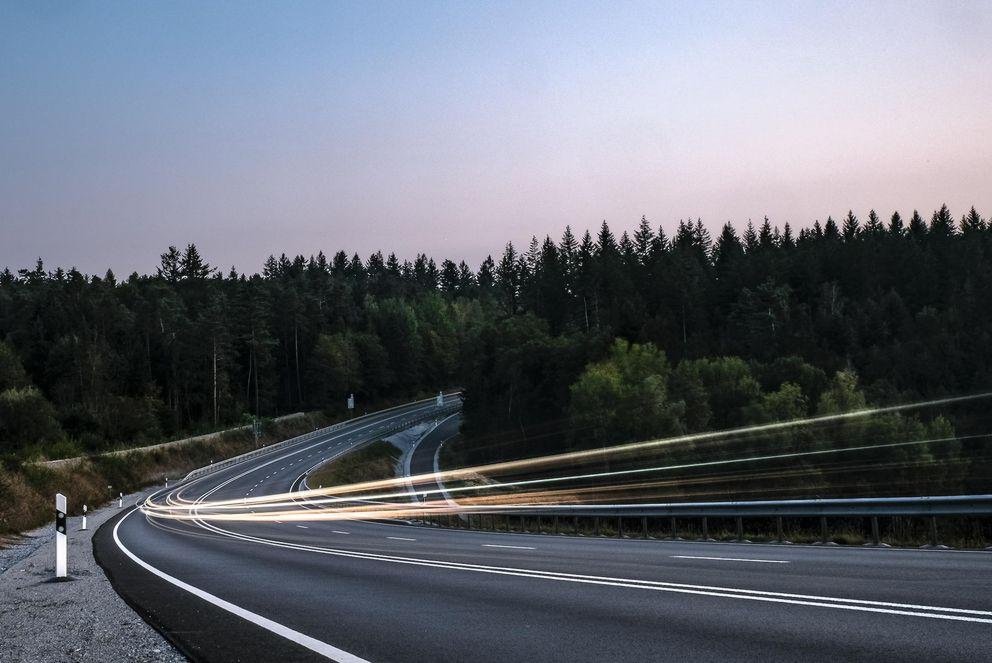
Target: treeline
[{"x": 903, "y": 305}]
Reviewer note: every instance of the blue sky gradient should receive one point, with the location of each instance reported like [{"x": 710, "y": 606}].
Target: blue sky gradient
[{"x": 450, "y": 128}]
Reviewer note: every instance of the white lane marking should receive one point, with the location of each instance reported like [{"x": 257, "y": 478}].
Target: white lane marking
[
  {"x": 400, "y": 538},
  {"x": 732, "y": 559},
  {"x": 303, "y": 527},
  {"x": 314, "y": 645},
  {"x": 496, "y": 545},
  {"x": 337, "y": 531},
  {"x": 838, "y": 603}
]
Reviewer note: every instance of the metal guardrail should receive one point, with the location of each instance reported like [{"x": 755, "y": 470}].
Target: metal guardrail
[
  {"x": 943, "y": 505},
  {"x": 870, "y": 507},
  {"x": 392, "y": 428}
]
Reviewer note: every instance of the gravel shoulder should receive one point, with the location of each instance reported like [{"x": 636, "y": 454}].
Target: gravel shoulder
[{"x": 82, "y": 619}]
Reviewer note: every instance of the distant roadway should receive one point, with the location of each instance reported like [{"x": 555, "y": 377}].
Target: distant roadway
[{"x": 356, "y": 591}]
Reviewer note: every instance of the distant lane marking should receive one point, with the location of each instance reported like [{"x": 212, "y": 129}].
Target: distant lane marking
[
  {"x": 337, "y": 531},
  {"x": 303, "y": 527},
  {"x": 496, "y": 545},
  {"x": 400, "y": 538},
  {"x": 732, "y": 559},
  {"x": 314, "y": 645}
]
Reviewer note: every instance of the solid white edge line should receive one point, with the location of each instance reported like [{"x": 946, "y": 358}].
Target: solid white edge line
[
  {"x": 732, "y": 559},
  {"x": 496, "y": 545},
  {"x": 861, "y": 605},
  {"x": 314, "y": 645},
  {"x": 400, "y": 538}
]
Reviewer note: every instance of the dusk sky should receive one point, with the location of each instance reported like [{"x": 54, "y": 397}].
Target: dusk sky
[{"x": 258, "y": 128}]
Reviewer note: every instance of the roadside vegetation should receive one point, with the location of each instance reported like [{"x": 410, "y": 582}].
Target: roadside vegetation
[
  {"x": 27, "y": 490},
  {"x": 584, "y": 342}
]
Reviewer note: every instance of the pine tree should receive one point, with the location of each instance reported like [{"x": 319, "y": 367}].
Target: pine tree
[
  {"x": 449, "y": 278},
  {"x": 942, "y": 223},
  {"x": 917, "y": 227},
  {"x": 643, "y": 239},
  {"x": 169, "y": 269},
  {"x": 192, "y": 266},
  {"x": 972, "y": 222},
  {"x": 873, "y": 227},
  {"x": 852, "y": 227},
  {"x": 750, "y": 238}
]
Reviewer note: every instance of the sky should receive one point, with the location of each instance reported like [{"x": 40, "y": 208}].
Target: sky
[{"x": 253, "y": 128}]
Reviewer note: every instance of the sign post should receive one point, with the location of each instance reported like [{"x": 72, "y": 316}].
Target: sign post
[
  {"x": 60, "y": 540},
  {"x": 84, "y": 518},
  {"x": 440, "y": 398}
]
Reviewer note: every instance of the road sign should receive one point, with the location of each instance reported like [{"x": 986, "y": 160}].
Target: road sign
[
  {"x": 60, "y": 540},
  {"x": 351, "y": 402}
]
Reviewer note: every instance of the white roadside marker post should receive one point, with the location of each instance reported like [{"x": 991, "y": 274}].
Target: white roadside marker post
[
  {"x": 440, "y": 398},
  {"x": 120, "y": 501},
  {"x": 60, "y": 541},
  {"x": 83, "y": 528},
  {"x": 166, "y": 482}
]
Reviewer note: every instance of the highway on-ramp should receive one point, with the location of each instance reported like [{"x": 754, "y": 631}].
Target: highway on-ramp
[{"x": 388, "y": 591}]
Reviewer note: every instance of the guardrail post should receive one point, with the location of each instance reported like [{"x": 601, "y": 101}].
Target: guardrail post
[
  {"x": 675, "y": 530},
  {"x": 876, "y": 538},
  {"x": 556, "y": 524},
  {"x": 740, "y": 530},
  {"x": 575, "y": 525},
  {"x": 644, "y": 526},
  {"x": 619, "y": 527},
  {"x": 706, "y": 529},
  {"x": 595, "y": 526},
  {"x": 779, "y": 531},
  {"x": 934, "y": 543},
  {"x": 824, "y": 538}
]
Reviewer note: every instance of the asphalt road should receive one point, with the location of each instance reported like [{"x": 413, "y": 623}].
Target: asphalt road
[{"x": 381, "y": 591}]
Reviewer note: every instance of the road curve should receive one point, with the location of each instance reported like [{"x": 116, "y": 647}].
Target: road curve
[{"x": 377, "y": 591}]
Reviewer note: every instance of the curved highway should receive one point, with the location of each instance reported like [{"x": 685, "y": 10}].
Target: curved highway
[{"x": 356, "y": 591}]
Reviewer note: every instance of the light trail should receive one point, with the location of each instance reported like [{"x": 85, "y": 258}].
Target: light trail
[{"x": 381, "y": 508}]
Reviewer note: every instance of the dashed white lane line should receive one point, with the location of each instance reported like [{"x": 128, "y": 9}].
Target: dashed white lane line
[
  {"x": 400, "y": 538},
  {"x": 496, "y": 545},
  {"x": 337, "y": 531},
  {"x": 303, "y": 527},
  {"x": 732, "y": 559}
]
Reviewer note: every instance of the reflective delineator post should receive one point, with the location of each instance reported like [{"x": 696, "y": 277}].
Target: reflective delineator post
[
  {"x": 440, "y": 398},
  {"x": 120, "y": 501},
  {"x": 60, "y": 540},
  {"x": 84, "y": 518}
]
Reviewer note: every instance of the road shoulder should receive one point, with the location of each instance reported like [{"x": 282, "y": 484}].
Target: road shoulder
[{"x": 81, "y": 619}]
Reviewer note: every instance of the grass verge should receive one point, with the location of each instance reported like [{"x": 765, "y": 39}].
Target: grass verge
[{"x": 370, "y": 463}]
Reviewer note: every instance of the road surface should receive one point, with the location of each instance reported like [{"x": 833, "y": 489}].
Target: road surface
[{"x": 379, "y": 591}]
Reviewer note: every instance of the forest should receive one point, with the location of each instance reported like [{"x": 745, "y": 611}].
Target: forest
[{"x": 586, "y": 340}]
